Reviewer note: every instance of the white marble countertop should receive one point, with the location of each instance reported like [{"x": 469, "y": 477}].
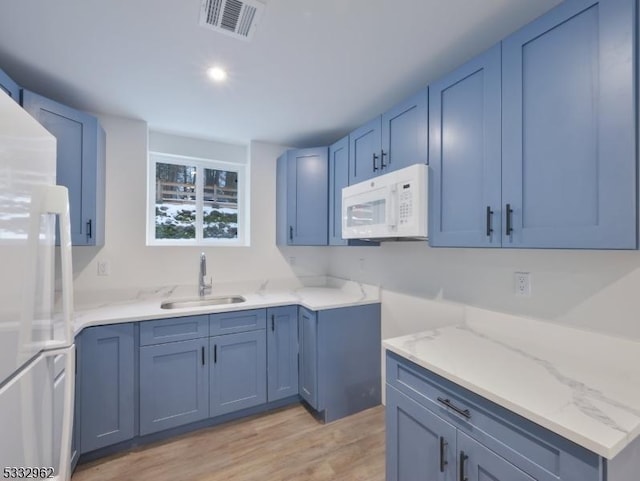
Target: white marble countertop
[
  {"x": 317, "y": 293},
  {"x": 581, "y": 385}
]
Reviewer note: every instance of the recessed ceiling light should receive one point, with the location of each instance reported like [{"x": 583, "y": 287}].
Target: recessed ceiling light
[{"x": 217, "y": 74}]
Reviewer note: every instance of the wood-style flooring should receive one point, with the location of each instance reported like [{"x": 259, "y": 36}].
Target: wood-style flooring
[{"x": 288, "y": 444}]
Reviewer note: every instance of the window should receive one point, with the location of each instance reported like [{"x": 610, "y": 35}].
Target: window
[{"x": 195, "y": 201}]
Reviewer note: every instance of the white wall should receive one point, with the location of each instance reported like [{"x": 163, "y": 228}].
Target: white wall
[
  {"x": 424, "y": 287},
  {"x": 134, "y": 265}
]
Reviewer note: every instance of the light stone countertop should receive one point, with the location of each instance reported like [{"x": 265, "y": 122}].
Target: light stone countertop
[
  {"x": 130, "y": 305},
  {"x": 581, "y": 385}
]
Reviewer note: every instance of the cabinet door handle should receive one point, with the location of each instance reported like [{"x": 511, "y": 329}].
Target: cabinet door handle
[
  {"x": 509, "y": 214},
  {"x": 382, "y": 154},
  {"x": 215, "y": 353},
  {"x": 89, "y": 229},
  {"x": 273, "y": 322},
  {"x": 375, "y": 157},
  {"x": 489, "y": 228},
  {"x": 463, "y": 459},
  {"x": 202, "y": 354},
  {"x": 443, "y": 460},
  {"x": 290, "y": 232},
  {"x": 462, "y": 412}
]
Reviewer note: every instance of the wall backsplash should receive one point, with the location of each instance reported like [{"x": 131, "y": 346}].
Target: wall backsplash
[{"x": 595, "y": 290}]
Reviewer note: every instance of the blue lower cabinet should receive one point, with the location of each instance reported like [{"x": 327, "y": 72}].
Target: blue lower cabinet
[
  {"x": 308, "y": 364},
  {"x": 478, "y": 463},
  {"x": 282, "y": 352},
  {"x": 420, "y": 445},
  {"x": 107, "y": 383},
  {"x": 488, "y": 442},
  {"x": 339, "y": 367},
  {"x": 174, "y": 384},
  {"x": 238, "y": 372}
]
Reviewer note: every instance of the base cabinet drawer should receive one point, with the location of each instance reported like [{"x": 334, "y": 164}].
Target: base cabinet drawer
[{"x": 174, "y": 384}]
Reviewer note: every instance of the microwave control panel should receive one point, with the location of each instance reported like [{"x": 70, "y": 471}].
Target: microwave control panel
[{"x": 406, "y": 203}]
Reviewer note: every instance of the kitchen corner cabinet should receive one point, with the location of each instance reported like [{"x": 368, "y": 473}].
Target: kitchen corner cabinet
[
  {"x": 340, "y": 359},
  {"x": 437, "y": 430},
  {"x": 396, "y": 139},
  {"x": 80, "y": 163},
  {"x": 8, "y": 86},
  {"x": 569, "y": 174},
  {"x": 302, "y": 198},
  {"x": 282, "y": 352},
  {"x": 106, "y": 370},
  {"x": 465, "y": 155}
]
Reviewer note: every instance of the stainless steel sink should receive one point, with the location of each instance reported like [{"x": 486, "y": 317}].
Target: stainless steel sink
[{"x": 211, "y": 301}]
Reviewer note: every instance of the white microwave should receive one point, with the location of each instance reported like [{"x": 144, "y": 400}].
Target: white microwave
[{"x": 391, "y": 206}]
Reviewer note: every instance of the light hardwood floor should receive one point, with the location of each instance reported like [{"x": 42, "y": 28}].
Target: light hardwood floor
[{"x": 283, "y": 445}]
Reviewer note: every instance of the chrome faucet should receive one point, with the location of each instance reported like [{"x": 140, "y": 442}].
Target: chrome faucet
[{"x": 203, "y": 287}]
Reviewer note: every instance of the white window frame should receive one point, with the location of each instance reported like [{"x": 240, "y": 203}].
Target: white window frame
[{"x": 200, "y": 164}]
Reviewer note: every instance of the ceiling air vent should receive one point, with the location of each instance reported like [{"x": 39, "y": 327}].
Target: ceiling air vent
[{"x": 231, "y": 17}]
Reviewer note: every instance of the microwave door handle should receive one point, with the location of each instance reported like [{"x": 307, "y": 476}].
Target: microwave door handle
[{"x": 392, "y": 219}]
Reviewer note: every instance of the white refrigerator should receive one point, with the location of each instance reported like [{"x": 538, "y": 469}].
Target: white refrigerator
[{"x": 37, "y": 354}]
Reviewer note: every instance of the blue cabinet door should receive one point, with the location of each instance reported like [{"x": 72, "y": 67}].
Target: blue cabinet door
[
  {"x": 338, "y": 179},
  {"x": 107, "y": 383},
  {"x": 238, "y": 371},
  {"x": 308, "y": 346},
  {"x": 477, "y": 463},
  {"x": 364, "y": 151},
  {"x": 282, "y": 352},
  {"x": 174, "y": 384},
  {"x": 569, "y": 141},
  {"x": 8, "y": 86},
  {"x": 80, "y": 163},
  {"x": 308, "y": 196},
  {"x": 405, "y": 133},
  {"x": 421, "y": 446},
  {"x": 282, "y": 222},
  {"x": 465, "y": 155}
]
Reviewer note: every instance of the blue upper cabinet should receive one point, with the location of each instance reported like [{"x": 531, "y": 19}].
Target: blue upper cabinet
[
  {"x": 80, "y": 163},
  {"x": 338, "y": 179},
  {"x": 303, "y": 197},
  {"x": 405, "y": 133},
  {"x": 569, "y": 140},
  {"x": 8, "y": 86},
  {"x": 365, "y": 146},
  {"x": 465, "y": 155},
  {"x": 396, "y": 139}
]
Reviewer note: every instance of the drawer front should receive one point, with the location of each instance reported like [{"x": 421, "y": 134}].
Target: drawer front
[
  {"x": 174, "y": 329},
  {"x": 537, "y": 451},
  {"x": 239, "y": 321}
]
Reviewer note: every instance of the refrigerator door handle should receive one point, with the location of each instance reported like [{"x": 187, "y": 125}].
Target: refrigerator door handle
[{"x": 54, "y": 199}]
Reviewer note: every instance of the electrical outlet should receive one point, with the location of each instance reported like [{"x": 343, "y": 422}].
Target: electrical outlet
[
  {"x": 522, "y": 284},
  {"x": 104, "y": 268},
  {"x": 292, "y": 261}
]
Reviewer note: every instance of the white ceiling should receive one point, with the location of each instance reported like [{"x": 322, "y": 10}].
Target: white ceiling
[{"x": 314, "y": 70}]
